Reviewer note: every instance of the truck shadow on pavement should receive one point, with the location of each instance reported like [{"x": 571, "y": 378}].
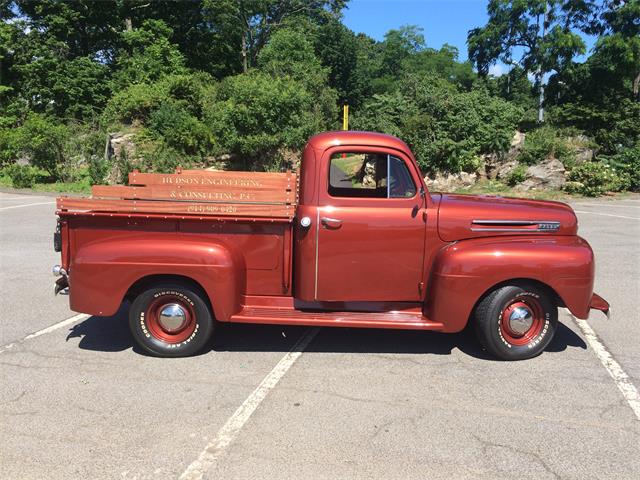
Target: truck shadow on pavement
[{"x": 111, "y": 334}]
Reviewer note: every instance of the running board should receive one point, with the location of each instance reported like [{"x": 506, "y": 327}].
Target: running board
[{"x": 288, "y": 316}]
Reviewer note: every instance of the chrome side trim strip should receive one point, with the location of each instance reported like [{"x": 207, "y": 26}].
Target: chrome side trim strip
[
  {"x": 514, "y": 222},
  {"x": 519, "y": 230}
]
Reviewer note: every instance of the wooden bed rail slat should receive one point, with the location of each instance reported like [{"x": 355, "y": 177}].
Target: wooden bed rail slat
[
  {"x": 172, "y": 207},
  {"x": 267, "y": 194}
]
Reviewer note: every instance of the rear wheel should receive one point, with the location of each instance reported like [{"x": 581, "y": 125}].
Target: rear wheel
[
  {"x": 515, "y": 322},
  {"x": 171, "y": 320}
]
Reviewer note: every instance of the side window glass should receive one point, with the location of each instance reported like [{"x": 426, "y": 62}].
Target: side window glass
[
  {"x": 400, "y": 182},
  {"x": 369, "y": 175},
  {"x": 358, "y": 175}
]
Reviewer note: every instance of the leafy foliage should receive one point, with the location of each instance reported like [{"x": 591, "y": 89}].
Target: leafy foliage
[
  {"x": 256, "y": 78},
  {"x": 544, "y": 143},
  {"x": 594, "y": 178}
]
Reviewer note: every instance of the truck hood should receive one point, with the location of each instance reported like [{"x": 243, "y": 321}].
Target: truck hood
[{"x": 472, "y": 216}]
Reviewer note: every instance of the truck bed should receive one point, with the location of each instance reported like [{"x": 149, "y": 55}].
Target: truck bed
[{"x": 197, "y": 193}]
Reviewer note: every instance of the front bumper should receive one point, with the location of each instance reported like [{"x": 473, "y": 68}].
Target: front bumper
[{"x": 599, "y": 303}]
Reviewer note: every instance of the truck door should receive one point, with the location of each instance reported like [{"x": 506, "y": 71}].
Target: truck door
[{"x": 370, "y": 228}]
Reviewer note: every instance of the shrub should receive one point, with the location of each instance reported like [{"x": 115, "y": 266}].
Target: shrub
[
  {"x": 180, "y": 130},
  {"x": 543, "y": 143},
  {"x": 163, "y": 159},
  {"x": 594, "y": 178},
  {"x": 628, "y": 162},
  {"x": 255, "y": 115},
  {"x": 448, "y": 130},
  {"x": 42, "y": 141},
  {"x": 24, "y": 176},
  {"x": 517, "y": 175},
  {"x": 98, "y": 170}
]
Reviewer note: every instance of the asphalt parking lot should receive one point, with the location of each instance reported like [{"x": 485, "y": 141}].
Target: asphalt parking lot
[{"x": 78, "y": 401}]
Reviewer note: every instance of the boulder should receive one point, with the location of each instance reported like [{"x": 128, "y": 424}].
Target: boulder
[
  {"x": 503, "y": 170},
  {"x": 499, "y": 166},
  {"x": 451, "y": 181},
  {"x": 549, "y": 174},
  {"x": 581, "y": 145},
  {"x": 120, "y": 144}
]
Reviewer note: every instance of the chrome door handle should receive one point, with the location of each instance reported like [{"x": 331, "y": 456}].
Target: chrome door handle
[{"x": 331, "y": 222}]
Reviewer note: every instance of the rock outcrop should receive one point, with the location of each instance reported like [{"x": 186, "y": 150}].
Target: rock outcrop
[{"x": 549, "y": 174}]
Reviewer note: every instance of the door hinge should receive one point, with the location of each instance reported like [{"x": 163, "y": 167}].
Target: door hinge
[{"x": 420, "y": 287}]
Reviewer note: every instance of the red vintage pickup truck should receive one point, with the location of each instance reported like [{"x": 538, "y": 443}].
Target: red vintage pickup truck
[{"x": 353, "y": 240}]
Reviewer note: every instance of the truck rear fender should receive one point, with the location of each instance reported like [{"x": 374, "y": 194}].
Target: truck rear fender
[
  {"x": 463, "y": 272},
  {"x": 104, "y": 272}
]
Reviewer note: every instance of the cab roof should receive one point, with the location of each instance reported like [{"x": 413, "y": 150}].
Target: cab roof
[{"x": 322, "y": 141}]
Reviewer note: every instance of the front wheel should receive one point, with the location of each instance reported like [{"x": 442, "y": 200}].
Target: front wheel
[
  {"x": 515, "y": 322},
  {"x": 171, "y": 320}
]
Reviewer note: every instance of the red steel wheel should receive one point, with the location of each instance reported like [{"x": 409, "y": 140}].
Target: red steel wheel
[
  {"x": 521, "y": 321},
  {"x": 170, "y": 319},
  {"x": 516, "y": 321}
]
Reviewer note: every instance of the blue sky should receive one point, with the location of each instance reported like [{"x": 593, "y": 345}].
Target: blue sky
[{"x": 442, "y": 21}]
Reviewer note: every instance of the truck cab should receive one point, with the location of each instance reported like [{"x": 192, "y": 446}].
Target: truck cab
[{"x": 353, "y": 239}]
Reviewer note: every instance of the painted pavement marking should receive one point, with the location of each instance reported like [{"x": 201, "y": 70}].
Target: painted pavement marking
[
  {"x": 230, "y": 430},
  {"x": 27, "y": 205},
  {"x": 620, "y": 377},
  {"x": 52, "y": 328},
  {"x": 607, "y": 215}
]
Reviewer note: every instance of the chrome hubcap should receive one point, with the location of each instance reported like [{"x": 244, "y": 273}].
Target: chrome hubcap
[
  {"x": 172, "y": 317},
  {"x": 520, "y": 320}
]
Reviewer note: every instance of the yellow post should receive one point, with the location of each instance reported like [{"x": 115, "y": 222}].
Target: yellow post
[{"x": 345, "y": 117}]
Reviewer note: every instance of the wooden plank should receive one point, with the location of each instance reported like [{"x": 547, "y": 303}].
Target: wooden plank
[
  {"x": 231, "y": 194},
  {"x": 170, "y": 207},
  {"x": 247, "y": 180}
]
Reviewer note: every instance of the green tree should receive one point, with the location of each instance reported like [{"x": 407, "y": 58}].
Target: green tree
[
  {"x": 536, "y": 35},
  {"x": 147, "y": 55},
  {"x": 249, "y": 23}
]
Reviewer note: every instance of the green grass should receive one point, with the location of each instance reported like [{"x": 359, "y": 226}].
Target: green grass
[
  {"x": 57, "y": 187},
  {"x": 492, "y": 187}
]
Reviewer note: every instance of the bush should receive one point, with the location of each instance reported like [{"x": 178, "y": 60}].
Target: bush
[
  {"x": 98, "y": 170},
  {"x": 180, "y": 130},
  {"x": 628, "y": 162},
  {"x": 544, "y": 143},
  {"x": 517, "y": 175},
  {"x": 24, "y": 176},
  {"x": 163, "y": 159},
  {"x": 593, "y": 178},
  {"x": 43, "y": 142},
  {"x": 255, "y": 115},
  {"x": 448, "y": 130}
]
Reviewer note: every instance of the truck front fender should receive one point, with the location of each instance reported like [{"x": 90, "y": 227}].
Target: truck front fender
[
  {"x": 103, "y": 271},
  {"x": 465, "y": 271}
]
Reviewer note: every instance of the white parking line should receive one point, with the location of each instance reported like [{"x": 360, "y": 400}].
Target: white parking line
[
  {"x": 230, "y": 430},
  {"x": 55, "y": 326},
  {"x": 620, "y": 377},
  {"x": 607, "y": 215},
  {"x": 27, "y": 205},
  {"x": 605, "y": 205},
  {"x": 17, "y": 198}
]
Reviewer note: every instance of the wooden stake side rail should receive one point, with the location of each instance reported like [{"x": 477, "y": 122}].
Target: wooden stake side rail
[
  {"x": 179, "y": 208},
  {"x": 194, "y": 192}
]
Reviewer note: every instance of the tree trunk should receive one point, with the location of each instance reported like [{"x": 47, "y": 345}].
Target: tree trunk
[
  {"x": 539, "y": 73},
  {"x": 540, "y": 96},
  {"x": 636, "y": 85},
  {"x": 245, "y": 65},
  {"x": 128, "y": 24}
]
